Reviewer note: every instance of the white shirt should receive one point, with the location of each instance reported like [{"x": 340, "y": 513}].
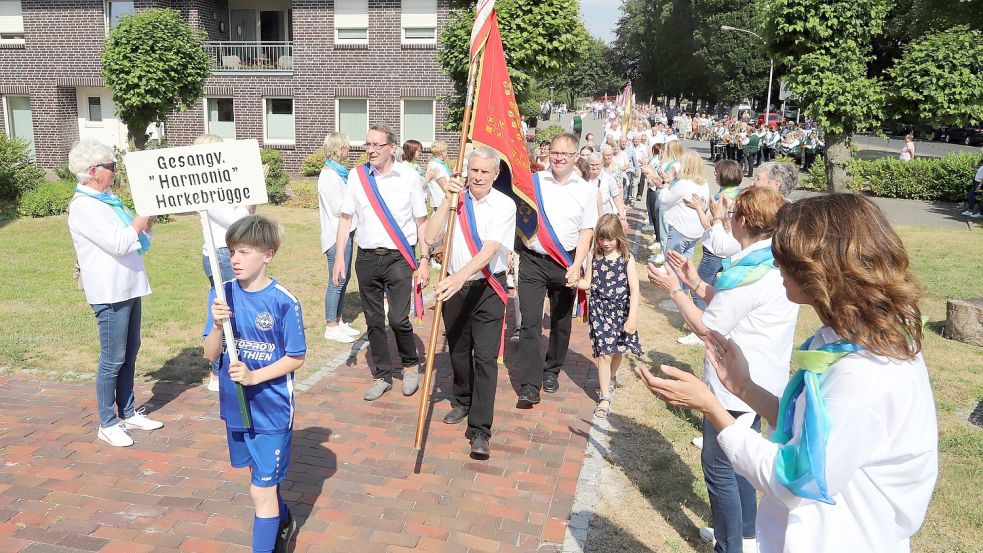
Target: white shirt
[
  {"x": 761, "y": 320},
  {"x": 220, "y": 219},
  {"x": 434, "y": 192},
  {"x": 107, "y": 251},
  {"x": 570, "y": 207},
  {"x": 979, "y": 174},
  {"x": 678, "y": 215},
  {"x": 881, "y": 460},
  {"x": 608, "y": 188},
  {"x": 331, "y": 194},
  {"x": 720, "y": 242},
  {"x": 494, "y": 217},
  {"x": 402, "y": 192}
]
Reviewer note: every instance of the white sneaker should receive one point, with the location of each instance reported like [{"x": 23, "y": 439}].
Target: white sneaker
[
  {"x": 690, "y": 339},
  {"x": 655, "y": 247},
  {"x": 668, "y": 305},
  {"x": 976, "y": 215},
  {"x": 338, "y": 334},
  {"x": 749, "y": 545},
  {"x": 706, "y": 534},
  {"x": 115, "y": 435},
  {"x": 698, "y": 442},
  {"x": 213, "y": 383},
  {"x": 140, "y": 422},
  {"x": 968, "y": 213},
  {"x": 350, "y": 330}
]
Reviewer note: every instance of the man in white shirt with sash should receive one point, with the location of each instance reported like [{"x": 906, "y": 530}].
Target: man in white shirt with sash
[
  {"x": 387, "y": 198},
  {"x": 568, "y": 213},
  {"x": 475, "y": 292}
]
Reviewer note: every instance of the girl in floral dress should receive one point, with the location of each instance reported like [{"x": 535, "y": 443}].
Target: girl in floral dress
[{"x": 613, "y": 283}]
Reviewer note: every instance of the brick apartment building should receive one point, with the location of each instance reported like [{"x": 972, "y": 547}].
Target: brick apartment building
[{"x": 285, "y": 72}]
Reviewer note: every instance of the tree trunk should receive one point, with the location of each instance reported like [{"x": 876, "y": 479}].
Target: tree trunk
[
  {"x": 837, "y": 160},
  {"x": 137, "y": 134}
]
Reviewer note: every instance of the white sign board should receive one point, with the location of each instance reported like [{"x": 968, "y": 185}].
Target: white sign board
[
  {"x": 784, "y": 93},
  {"x": 196, "y": 178}
]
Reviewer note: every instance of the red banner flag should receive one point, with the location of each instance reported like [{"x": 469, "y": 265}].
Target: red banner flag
[{"x": 496, "y": 122}]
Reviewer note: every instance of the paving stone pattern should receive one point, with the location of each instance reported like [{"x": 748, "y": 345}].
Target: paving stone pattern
[{"x": 355, "y": 483}]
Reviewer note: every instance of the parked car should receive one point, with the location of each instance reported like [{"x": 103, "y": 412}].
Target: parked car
[
  {"x": 902, "y": 128},
  {"x": 969, "y": 135},
  {"x": 775, "y": 119}
]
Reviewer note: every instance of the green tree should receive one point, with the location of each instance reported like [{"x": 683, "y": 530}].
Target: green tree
[
  {"x": 541, "y": 38},
  {"x": 737, "y": 63},
  {"x": 595, "y": 74},
  {"x": 826, "y": 46},
  {"x": 154, "y": 63},
  {"x": 939, "y": 78}
]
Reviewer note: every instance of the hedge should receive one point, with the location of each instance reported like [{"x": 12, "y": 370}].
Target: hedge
[
  {"x": 48, "y": 198},
  {"x": 942, "y": 178},
  {"x": 549, "y": 133},
  {"x": 276, "y": 179},
  {"x": 17, "y": 174}
]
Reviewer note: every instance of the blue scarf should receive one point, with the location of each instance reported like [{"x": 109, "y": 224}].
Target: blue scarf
[
  {"x": 801, "y": 467},
  {"x": 337, "y": 168},
  {"x": 748, "y": 270},
  {"x": 444, "y": 165},
  {"x": 121, "y": 210}
]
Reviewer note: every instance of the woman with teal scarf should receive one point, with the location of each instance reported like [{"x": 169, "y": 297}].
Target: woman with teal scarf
[
  {"x": 332, "y": 189},
  {"x": 110, "y": 245},
  {"x": 853, "y": 458}
]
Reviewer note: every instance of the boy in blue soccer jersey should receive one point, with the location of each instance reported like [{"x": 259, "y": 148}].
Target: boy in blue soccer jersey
[{"x": 269, "y": 334}]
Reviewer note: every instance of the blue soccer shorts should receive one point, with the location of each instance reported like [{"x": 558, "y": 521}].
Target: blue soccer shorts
[{"x": 267, "y": 455}]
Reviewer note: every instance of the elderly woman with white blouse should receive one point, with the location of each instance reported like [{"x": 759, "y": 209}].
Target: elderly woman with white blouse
[
  {"x": 332, "y": 189},
  {"x": 852, "y": 459},
  {"x": 110, "y": 243}
]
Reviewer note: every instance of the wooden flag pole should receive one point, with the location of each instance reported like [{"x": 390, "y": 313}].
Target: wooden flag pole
[
  {"x": 230, "y": 342},
  {"x": 425, "y": 389}
]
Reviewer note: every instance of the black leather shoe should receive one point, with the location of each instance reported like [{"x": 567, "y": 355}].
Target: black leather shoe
[
  {"x": 550, "y": 383},
  {"x": 456, "y": 415},
  {"x": 528, "y": 396},
  {"x": 479, "y": 447}
]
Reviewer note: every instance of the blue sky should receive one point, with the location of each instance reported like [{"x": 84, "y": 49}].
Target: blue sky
[{"x": 601, "y": 17}]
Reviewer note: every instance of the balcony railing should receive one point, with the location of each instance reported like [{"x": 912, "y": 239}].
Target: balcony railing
[{"x": 245, "y": 56}]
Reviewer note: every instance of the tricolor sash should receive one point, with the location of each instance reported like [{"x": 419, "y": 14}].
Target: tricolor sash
[
  {"x": 801, "y": 467},
  {"x": 469, "y": 229},
  {"x": 551, "y": 243},
  {"x": 395, "y": 233},
  {"x": 748, "y": 270}
]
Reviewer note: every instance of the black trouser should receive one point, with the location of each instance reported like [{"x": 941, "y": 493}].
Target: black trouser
[
  {"x": 751, "y": 160},
  {"x": 379, "y": 272},
  {"x": 732, "y": 151},
  {"x": 641, "y": 184},
  {"x": 473, "y": 319},
  {"x": 539, "y": 277}
]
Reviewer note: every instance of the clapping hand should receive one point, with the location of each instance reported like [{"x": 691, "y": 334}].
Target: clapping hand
[
  {"x": 729, "y": 362},
  {"x": 682, "y": 265},
  {"x": 719, "y": 207},
  {"x": 682, "y": 389},
  {"x": 664, "y": 280},
  {"x": 696, "y": 202}
]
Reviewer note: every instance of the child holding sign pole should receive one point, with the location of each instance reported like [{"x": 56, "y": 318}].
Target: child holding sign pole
[{"x": 268, "y": 328}]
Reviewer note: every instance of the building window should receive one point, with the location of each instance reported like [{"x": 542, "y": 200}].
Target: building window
[
  {"x": 418, "y": 120},
  {"x": 351, "y": 21},
  {"x": 278, "y": 124},
  {"x": 11, "y": 22},
  {"x": 419, "y": 22},
  {"x": 220, "y": 118},
  {"x": 116, "y": 10},
  {"x": 95, "y": 109},
  {"x": 17, "y": 111},
  {"x": 353, "y": 118}
]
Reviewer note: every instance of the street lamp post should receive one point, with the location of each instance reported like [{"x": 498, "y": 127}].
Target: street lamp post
[{"x": 771, "y": 69}]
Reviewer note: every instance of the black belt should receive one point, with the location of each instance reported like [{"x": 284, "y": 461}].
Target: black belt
[
  {"x": 534, "y": 253},
  {"x": 379, "y": 251},
  {"x": 469, "y": 283}
]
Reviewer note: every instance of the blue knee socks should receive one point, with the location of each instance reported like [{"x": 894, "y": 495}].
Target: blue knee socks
[{"x": 265, "y": 531}]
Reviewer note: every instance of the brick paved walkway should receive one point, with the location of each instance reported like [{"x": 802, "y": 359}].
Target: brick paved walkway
[{"x": 355, "y": 484}]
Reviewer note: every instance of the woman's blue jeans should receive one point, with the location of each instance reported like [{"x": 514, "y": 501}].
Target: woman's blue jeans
[
  {"x": 119, "y": 342},
  {"x": 733, "y": 503},
  {"x": 710, "y": 265},
  {"x": 334, "y": 297},
  {"x": 675, "y": 241},
  {"x": 224, "y": 267}
]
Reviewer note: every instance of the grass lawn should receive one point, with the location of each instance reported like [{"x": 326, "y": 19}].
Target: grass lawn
[
  {"x": 50, "y": 328},
  {"x": 654, "y": 497}
]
